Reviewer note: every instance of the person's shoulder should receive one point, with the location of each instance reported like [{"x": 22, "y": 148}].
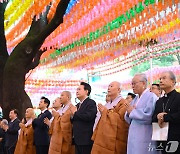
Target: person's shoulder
[
  {"x": 177, "y": 95},
  {"x": 17, "y": 120},
  {"x": 153, "y": 95},
  {"x": 122, "y": 101},
  {"x": 47, "y": 112},
  {"x": 91, "y": 100},
  {"x": 160, "y": 99}
]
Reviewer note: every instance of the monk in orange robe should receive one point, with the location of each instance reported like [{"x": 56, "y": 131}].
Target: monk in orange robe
[
  {"x": 61, "y": 127},
  {"x": 110, "y": 128},
  {"x": 25, "y": 140}
]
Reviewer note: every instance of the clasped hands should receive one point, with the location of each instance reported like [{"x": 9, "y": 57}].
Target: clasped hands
[
  {"x": 73, "y": 109},
  {"x": 54, "y": 114},
  {"x": 101, "y": 107},
  {"x": 129, "y": 107},
  {"x": 160, "y": 118}
]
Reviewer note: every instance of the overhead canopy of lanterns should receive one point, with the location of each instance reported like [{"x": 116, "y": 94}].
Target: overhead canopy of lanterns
[
  {"x": 50, "y": 86},
  {"x": 97, "y": 31}
]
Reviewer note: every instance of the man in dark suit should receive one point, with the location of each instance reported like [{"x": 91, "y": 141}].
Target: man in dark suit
[
  {"x": 168, "y": 110},
  {"x": 41, "y": 136},
  {"x": 83, "y": 119},
  {"x": 11, "y": 131}
]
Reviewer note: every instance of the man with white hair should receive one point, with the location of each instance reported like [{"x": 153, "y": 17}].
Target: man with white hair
[
  {"x": 139, "y": 116},
  {"x": 110, "y": 129},
  {"x": 167, "y": 110}
]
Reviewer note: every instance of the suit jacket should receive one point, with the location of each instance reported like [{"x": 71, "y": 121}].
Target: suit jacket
[
  {"x": 11, "y": 135},
  {"x": 41, "y": 136},
  {"x": 172, "y": 116},
  {"x": 83, "y": 122}
]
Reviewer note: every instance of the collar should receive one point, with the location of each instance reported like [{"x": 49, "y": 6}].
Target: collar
[
  {"x": 111, "y": 104},
  {"x": 67, "y": 105},
  {"x": 170, "y": 93},
  {"x": 64, "y": 109},
  {"x": 146, "y": 90},
  {"x": 44, "y": 110},
  {"x": 59, "y": 109},
  {"x": 115, "y": 101},
  {"x": 83, "y": 100},
  {"x": 29, "y": 122},
  {"x": 13, "y": 119}
]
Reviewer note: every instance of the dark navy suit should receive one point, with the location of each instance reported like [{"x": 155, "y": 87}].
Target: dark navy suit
[
  {"x": 83, "y": 122},
  {"x": 11, "y": 136},
  {"x": 41, "y": 136}
]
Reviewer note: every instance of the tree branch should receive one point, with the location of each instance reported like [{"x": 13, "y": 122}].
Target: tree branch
[
  {"x": 27, "y": 48},
  {"x": 38, "y": 25},
  {"x": 36, "y": 60},
  {"x": 54, "y": 23}
]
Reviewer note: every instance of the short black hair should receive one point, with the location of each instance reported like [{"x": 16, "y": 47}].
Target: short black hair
[
  {"x": 132, "y": 95},
  {"x": 156, "y": 84},
  {"x": 46, "y": 100},
  {"x": 86, "y": 87},
  {"x": 15, "y": 111}
]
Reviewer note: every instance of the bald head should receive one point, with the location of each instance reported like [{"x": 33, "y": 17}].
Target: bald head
[
  {"x": 114, "y": 89},
  {"x": 56, "y": 104},
  {"x": 65, "y": 97},
  {"x": 116, "y": 83},
  {"x": 29, "y": 113},
  {"x": 68, "y": 94}
]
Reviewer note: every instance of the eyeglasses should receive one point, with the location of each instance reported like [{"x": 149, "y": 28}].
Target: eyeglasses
[{"x": 134, "y": 83}]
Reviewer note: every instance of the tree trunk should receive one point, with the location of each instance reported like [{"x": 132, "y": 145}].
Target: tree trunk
[
  {"x": 23, "y": 58},
  {"x": 3, "y": 49},
  {"x": 14, "y": 95}
]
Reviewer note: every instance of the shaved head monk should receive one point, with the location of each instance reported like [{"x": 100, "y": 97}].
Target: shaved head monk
[{"x": 110, "y": 129}]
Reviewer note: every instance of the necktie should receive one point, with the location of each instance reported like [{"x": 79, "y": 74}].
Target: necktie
[
  {"x": 79, "y": 106},
  {"x": 40, "y": 115}
]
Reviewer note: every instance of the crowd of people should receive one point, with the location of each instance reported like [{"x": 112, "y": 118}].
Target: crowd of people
[{"x": 121, "y": 126}]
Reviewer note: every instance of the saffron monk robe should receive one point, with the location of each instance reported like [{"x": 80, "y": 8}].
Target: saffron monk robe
[
  {"x": 61, "y": 128},
  {"x": 110, "y": 129},
  {"x": 25, "y": 140}
]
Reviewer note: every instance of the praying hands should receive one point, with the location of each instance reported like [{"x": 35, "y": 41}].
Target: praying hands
[
  {"x": 160, "y": 118},
  {"x": 73, "y": 109},
  {"x": 129, "y": 108},
  {"x": 101, "y": 107}
]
